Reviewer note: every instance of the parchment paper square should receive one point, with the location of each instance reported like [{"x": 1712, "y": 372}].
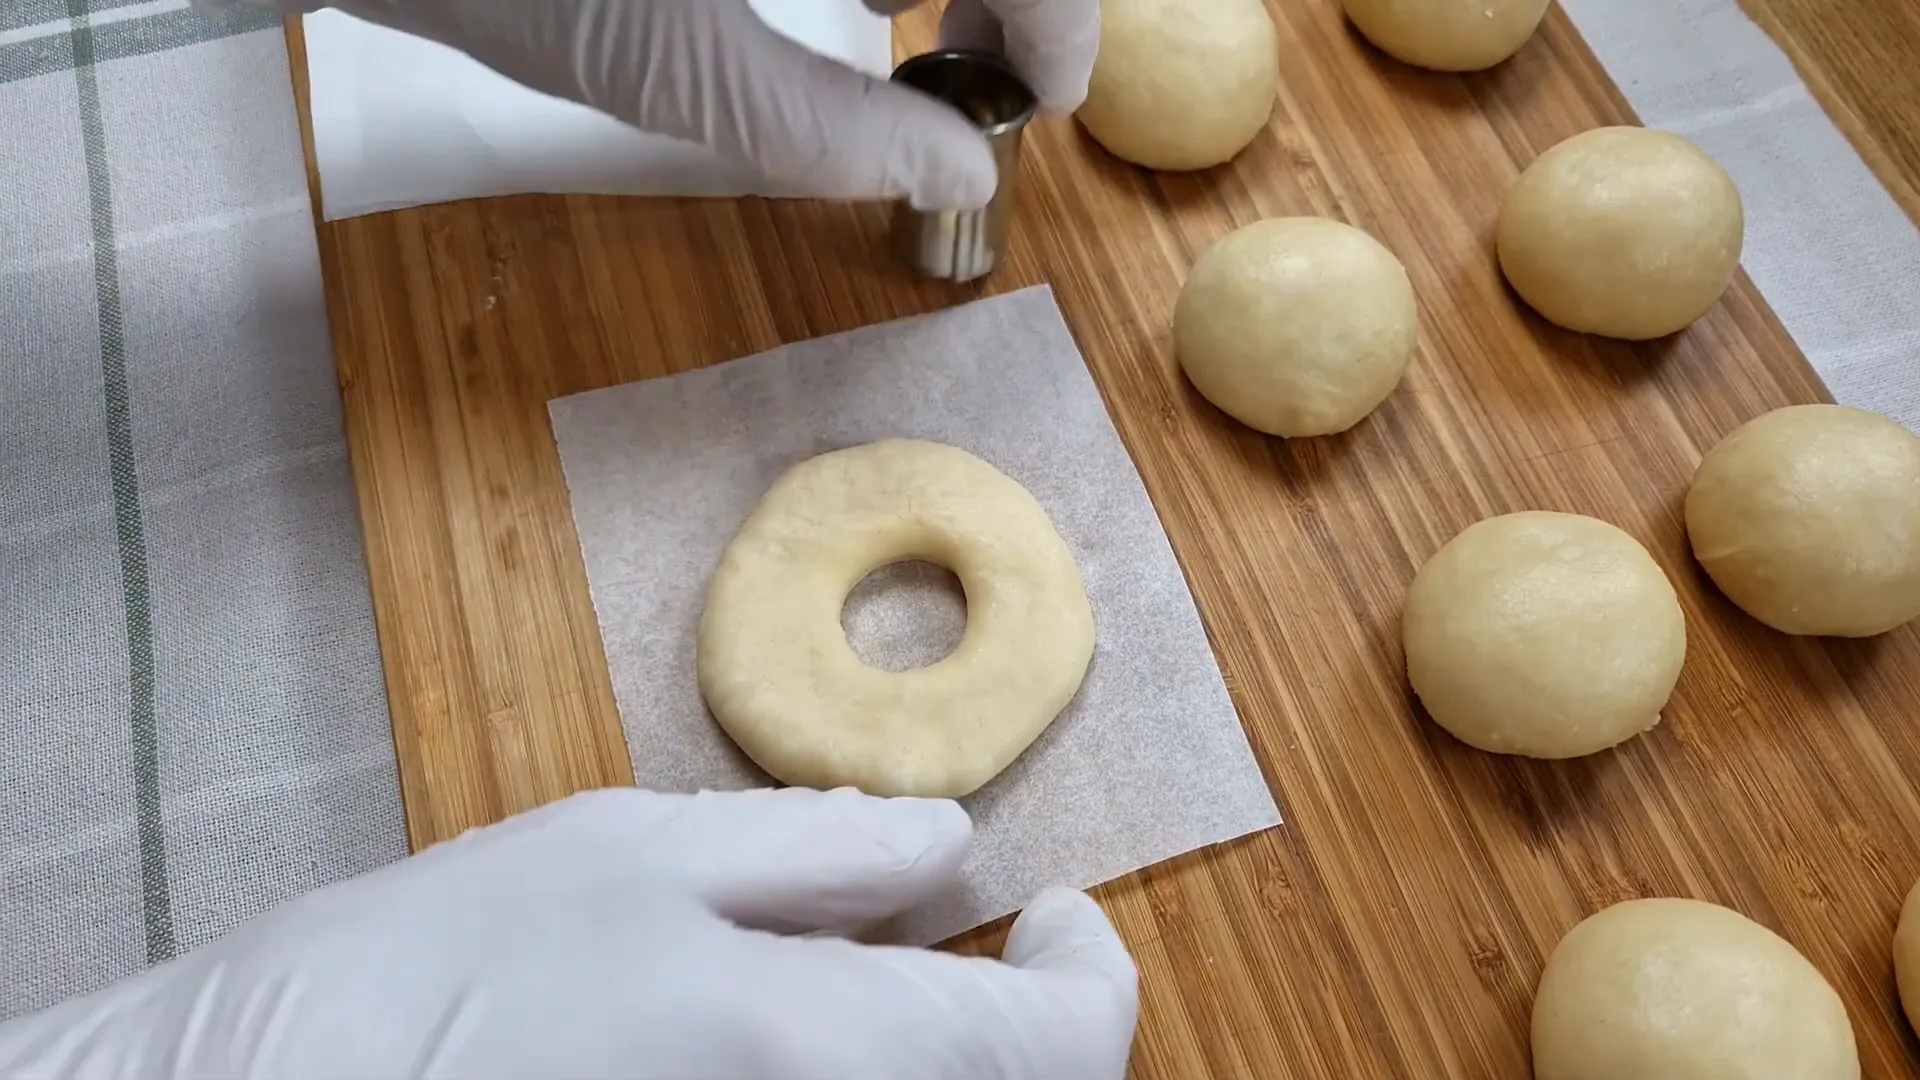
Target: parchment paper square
[{"x": 1148, "y": 762}]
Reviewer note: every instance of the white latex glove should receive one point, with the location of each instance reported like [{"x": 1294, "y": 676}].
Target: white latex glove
[
  {"x": 711, "y": 71},
  {"x": 605, "y": 936}
]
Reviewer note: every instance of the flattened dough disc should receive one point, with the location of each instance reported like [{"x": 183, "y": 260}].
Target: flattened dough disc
[{"x": 778, "y": 674}]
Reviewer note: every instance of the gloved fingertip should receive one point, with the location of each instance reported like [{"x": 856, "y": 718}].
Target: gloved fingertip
[
  {"x": 933, "y": 831},
  {"x": 797, "y": 859},
  {"x": 1052, "y": 43},
  {"x": 1063, "y": 98},
  {"x": 882, "y": 835},
  {"x": 1059, "y": 79},
  {"x": 1064, "y": 929},
  {"x": 949, "y": 169}
]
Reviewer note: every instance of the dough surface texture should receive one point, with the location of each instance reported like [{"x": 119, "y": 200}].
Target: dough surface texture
[
  {"x": 1808, "y": 518},
  {"x": 1447, "y": 35},
  {"x": 1685, "y": 990},
  {"x": 1906, "y": 956},
  {"x": 774, "y": 664},
  {"x": 1624, "y": 232},
  {"x": 1296, "y": 326},
  {"x": 1180, "y": 85},
  {"x": 1544, "y": 635}
]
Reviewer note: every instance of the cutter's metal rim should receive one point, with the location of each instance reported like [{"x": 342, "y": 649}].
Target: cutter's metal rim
[{"x": 986, "y": 59}]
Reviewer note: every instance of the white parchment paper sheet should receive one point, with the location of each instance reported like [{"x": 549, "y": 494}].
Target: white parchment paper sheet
[{"x": 1148, "y": 762}]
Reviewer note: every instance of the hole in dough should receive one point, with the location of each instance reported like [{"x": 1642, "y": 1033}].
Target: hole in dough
[{"x": 905, "y": 615}]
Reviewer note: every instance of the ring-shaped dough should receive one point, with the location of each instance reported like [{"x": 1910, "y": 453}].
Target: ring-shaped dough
[{"x": 778, "y": 674}]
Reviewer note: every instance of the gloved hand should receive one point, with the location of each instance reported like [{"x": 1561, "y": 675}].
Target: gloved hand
[
  {"x": 712, "y": 72},
  {"x": 607, "y": 935}
]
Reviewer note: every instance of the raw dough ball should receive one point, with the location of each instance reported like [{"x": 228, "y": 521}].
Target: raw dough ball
[
  {"x": 1906, "y": 956},
  {"x": 1808, "y": 517},
  {"x": 1545, "y": 635},
  {"x": 1182, "y": 84},
  {"x": 1296, "y": 326},
  {"x": 1685, "y": 990},
  {"x": 1624, "y": 232},
  {"x": 1447, "y": 35},
  {"x": 774, "y": 664}
]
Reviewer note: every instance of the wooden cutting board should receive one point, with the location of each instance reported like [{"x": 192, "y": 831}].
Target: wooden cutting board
[{"x": 1396, "y": 924}]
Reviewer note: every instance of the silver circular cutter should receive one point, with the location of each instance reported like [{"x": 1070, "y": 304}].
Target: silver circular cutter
[{"x": 964, "y": 245}]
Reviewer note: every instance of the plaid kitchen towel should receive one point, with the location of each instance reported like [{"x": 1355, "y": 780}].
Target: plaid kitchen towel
[{"x": 193, "y": 724}]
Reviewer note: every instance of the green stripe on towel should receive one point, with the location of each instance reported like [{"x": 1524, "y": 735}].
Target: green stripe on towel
[
  {"x": 58, "y": 50},
  {"x": 155, "y": 892}
]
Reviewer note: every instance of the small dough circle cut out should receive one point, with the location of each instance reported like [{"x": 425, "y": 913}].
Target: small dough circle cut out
[
  {"x": 774, "y": 664},
  {"x": 1686, "y": 990},
  {"x": 1544, "y": 635},
  {"x": 1447, "y": 35},
  {"x": 1808, "y": 518},
  {"x": 1180, "y": 85},
  {"x": 1623, "y": 232}
]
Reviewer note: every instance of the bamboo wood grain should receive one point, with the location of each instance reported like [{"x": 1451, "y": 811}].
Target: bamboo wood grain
[
  {"x": 1856, "y": 57},
  {"x": 1395, "y": 925}
]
